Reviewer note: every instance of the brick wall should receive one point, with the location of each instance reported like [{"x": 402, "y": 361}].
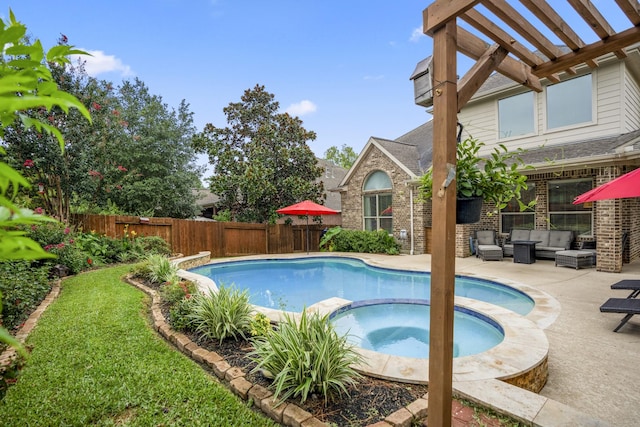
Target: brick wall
[
  {"x": 612, "y": 218},
  {"x": 352, "y": 200}
]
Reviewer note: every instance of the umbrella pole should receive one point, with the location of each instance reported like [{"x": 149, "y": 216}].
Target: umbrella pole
[{"x": 307, "y": 234}]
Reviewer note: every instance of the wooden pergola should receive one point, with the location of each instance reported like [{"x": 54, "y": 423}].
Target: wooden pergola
[{"x": 503, "y": 50}]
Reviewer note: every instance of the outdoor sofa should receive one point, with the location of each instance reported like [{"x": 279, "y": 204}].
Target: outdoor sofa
[{"x": 549, "y": 241}]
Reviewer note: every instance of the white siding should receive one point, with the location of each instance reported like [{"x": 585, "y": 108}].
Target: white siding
[
  {"x": 479, "y": 117},
  {"x": 631, "y": 103}
]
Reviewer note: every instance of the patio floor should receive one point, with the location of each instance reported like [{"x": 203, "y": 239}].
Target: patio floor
[{"x": 591, "y": 368}]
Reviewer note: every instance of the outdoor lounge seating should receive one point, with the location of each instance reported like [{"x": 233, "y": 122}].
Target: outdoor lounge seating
[
  {"x": 627, "y": 306},
  {"x": 629, "y": 285},
  {"x": 548, "y": 241},
  {"x": 486, "y": 246}
]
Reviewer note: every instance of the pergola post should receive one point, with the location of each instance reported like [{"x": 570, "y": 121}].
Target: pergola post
[{"x": 445, "y": 109}]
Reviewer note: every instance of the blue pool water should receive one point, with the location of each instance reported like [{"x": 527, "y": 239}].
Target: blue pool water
[
  {"x": 402, "y": 328},
  {"x": 292, "y": 284}
]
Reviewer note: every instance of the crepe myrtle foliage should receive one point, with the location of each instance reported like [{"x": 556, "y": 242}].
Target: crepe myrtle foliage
[
  {"x": 261, "y": 160},
  {"x": 133, "y": 158}
]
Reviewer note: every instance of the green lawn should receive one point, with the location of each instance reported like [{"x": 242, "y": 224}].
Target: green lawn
[{"x": 96, "y": 361}]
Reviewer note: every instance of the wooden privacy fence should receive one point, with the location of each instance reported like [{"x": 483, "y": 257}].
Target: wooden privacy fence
[{"x": 222, "y": 239}]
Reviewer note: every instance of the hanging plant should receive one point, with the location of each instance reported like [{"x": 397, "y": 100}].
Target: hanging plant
[{"x": 496, "y": 179}]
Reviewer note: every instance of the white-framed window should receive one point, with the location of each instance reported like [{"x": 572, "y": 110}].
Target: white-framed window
[
  {"x": 377, "y": 203},
  {"x": 563, "y": 214},
  {"x": 511, "y": 217},
  {"x": 570, "y": 102},
  {"x": 516, "y": 115}
]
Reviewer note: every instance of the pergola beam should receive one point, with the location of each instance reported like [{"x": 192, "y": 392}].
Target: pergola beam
[
  {"x": 479, "y": 73},
  {"x": 596, "y": 21},
  {"x": 631, "y": 9},
  {"x": 612, "y": 44},
  {"x": 474, "y": 47},
  {"x": 545, "y": 13},
  {"x": 440, "y": 12}
]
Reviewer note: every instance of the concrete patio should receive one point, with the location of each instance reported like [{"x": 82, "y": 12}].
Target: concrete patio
[{"x": 591, "y": 368}]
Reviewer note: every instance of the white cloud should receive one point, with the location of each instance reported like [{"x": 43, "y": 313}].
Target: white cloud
[
  {"x": 301, "y": 108},
  {"x": 416, "y": 35},
  {"x": 100, "y": 63}
]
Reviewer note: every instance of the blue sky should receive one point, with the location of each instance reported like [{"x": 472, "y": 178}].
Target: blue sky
[{"x": 343, "y": 66}]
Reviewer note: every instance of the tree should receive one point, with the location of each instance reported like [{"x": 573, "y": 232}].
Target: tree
[
  {"x": 25, "y": 82},
  {"x": 345, "y": 156},
  {"x": 150, "y": 169},
  {"x": 135, "y": 158},
  {"x": 261, "y": 160}
]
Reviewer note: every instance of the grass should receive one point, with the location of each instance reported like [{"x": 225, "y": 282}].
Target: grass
[{"x": 95, "y": 361}]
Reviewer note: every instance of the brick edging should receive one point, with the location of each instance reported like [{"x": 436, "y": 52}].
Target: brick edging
[
  {"x": 288, "y": 414},
  {"x": 9, "y": 354}
]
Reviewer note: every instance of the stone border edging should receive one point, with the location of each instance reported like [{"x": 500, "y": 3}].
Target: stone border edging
[
  {"x": 9, "y": 354},
  {"x": 288, "y": 414}
]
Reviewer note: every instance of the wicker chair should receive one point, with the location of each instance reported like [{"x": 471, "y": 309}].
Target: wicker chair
[{"x": 486, "y": 246}]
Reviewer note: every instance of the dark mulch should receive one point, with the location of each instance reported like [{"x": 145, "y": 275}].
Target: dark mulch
[{"x": 370, "y": 401}]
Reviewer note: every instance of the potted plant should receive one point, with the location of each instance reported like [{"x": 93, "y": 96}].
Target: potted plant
[{"x": 496, "y": 179}]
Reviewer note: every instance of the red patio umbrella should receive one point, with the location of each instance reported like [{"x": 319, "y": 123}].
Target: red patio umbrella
[
  {"x": 627, "y": 185},
  {"x": 307, "y": 208}
]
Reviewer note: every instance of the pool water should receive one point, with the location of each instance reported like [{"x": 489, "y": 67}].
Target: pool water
[
  {"x": 294, "y": 283},
  {"x": 402, "y": 328}
]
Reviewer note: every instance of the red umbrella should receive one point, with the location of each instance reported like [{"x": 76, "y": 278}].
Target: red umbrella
[
  {"x": 627, "y": 185},
  {"x": 307, "y": 208}
]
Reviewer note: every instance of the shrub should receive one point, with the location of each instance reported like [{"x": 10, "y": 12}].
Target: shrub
[
  {"x": 306, "y": 357},
  {"x": 96, "y": 246},
  {"x": 23, "y": 285},
  {"x": 179, "y": 314},
  {"x": 260, "y": 325},
  {"x": 50, "y": 233},
  {"x": 153, "y": 245},
  {"x": 340, "y": 240},
  {"x": 141, "y": 269},
  {"x": 74, "y": 258},
  {"x": 173, "y": 292},
  {"x": 223, "y": 314}
]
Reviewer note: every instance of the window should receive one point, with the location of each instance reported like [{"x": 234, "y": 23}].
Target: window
[
  {"x": 511, "y": 217},
  {"x": 563, "y": 214},
  {"x": 570, "y": 102},
  {"x": 515, "y": 115},
  {"x": 378, "y": 211}
]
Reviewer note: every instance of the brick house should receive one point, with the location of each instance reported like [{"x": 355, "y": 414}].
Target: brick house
[{"x": 578, "y": 133}]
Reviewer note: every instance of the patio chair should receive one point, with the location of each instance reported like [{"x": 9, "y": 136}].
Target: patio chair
[
  {"x": 486, "y": 246},
  {"x": 627, "y": 306}
]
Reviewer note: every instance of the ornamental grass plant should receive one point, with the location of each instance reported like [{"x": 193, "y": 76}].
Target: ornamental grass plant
[
  {"x": 96, "y": 361},
  {"x": 307, "y": 357},
  {"x": 222, "y": 314}
]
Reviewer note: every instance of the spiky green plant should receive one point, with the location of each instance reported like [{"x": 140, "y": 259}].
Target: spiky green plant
[
  {"x": 161, "y": 270},
  {"x": 306, "y": 357},
  {"x": 222, "y": 314}
]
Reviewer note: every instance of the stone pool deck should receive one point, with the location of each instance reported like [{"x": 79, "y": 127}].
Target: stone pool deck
[{"x": 592, "y": 369}]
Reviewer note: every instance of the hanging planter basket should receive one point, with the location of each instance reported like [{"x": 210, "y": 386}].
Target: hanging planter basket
[{"x": 468, "y": 210}]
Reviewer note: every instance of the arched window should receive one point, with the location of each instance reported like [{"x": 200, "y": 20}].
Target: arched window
[{"x": 378, "y": 211}]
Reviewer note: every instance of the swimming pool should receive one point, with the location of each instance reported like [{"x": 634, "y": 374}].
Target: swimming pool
[
  {"x": 294, "y": 283},
  {"x": 519, "y": 359}
]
